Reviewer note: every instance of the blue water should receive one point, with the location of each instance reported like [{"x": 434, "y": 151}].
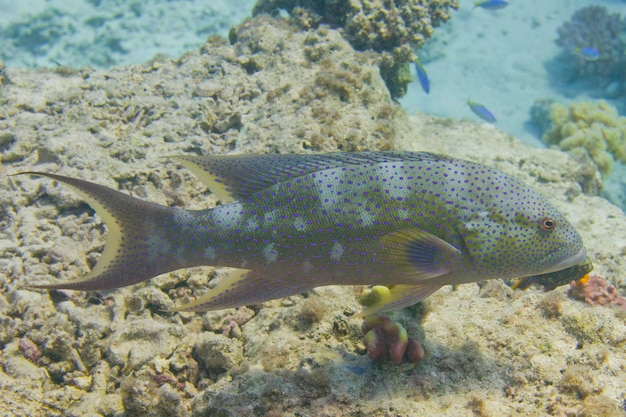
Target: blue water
[
  {"x": 503, "y": 59},
  {"x": 103, "y": 33}
]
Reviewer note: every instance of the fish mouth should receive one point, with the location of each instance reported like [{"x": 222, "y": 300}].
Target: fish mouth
[{"x": 568, "y": 262}]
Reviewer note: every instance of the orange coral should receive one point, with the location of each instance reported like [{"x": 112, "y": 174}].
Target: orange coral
[{"x": 594, "y": 290}]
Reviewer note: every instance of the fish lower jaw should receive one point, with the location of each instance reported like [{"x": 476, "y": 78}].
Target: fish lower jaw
[{"x": 568, "y": 262}]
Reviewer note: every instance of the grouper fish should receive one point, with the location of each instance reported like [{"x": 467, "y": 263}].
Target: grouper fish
[{"x": 288, "y": 223}]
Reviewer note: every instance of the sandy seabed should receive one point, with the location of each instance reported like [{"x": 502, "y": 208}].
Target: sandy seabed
[{"x": 490, "y": 351}]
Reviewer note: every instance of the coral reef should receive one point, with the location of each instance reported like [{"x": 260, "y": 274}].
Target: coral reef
[
  {"x": 594, "y": 129},
  {"x": 596, "y": 291},
  {"x": 594, "y": 27},
  {"x": 386, "y": 338},
  {"x": 393, "y": 28},
  {"x": 3, "y": 74},
  {"x": 540, "y": 113},
  {"x": 123, "y": 353}
]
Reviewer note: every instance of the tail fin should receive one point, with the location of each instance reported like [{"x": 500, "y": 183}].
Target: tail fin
[{"x": 138, "y": 244}]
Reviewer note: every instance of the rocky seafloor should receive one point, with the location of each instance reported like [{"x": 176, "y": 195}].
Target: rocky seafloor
[{"x": 490, "y": 351}]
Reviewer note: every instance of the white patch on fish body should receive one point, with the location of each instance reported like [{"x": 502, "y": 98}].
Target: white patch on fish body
[
  {"x": 327, "y": 184},
  {"x": 270, "y": 253},
  {"x": 366, "y": 218},
  {"x": 252, "y": 225},
  {"x": 158, "y": 242},
  {"x": 270, "y": 216},
  {"x": 299, "y": 224},
  {"x": 307, "y": 266},
  {"x": 210, "y": 253},
  {"x": 403, "y": 214},
  {"x": 336, "y": 251},
  {"x": 388, "y": 176},
  {"x": 227, "y": 215}
]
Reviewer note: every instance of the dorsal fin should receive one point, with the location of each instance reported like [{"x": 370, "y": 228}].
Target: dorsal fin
[{"x": 233, "y": 177}]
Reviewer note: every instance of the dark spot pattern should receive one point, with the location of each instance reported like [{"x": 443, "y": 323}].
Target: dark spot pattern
[
  {"x": 354, "y": 201},
  {"x": 301, "y": 221}
]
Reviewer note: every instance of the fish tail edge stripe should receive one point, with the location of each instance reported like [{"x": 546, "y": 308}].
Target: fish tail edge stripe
[{"x": 126, "y": 258}]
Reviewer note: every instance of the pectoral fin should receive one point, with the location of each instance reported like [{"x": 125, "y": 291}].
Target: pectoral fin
[{"x": 419, "y": 255}]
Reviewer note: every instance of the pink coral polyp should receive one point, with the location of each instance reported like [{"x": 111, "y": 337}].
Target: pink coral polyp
[
  {"x": 596, "y": 292},
  {"x": 387, "y": 338}
]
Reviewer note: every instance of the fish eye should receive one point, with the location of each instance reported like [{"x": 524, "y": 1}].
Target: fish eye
[{"x": 547, "y": 223}]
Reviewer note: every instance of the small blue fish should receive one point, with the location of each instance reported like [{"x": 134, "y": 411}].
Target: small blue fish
[
  {"x": 588, "y": 53},
  {"x": 490, "y": 4},
  {"x": 422, "y": 76},
  {"x": 356, "y": 370},
  {"x": 481, "y": 111}
]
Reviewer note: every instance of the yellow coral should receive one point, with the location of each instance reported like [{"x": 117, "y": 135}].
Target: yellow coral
[
  {"x": 569, "y": 129},
  {"x": 376, "y": 295},
  {"x": 595, "y": 127},
  {"x": 575, "y": 140},
  {"x": 559, "y": 114}
]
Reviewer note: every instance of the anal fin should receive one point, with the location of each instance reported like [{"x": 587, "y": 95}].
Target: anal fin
[
  {"x": 398, "y": 297},
  {"x": 245, "y": 287}
]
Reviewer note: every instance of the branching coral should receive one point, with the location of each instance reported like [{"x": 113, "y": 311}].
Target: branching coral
[
  {"x": 594, "y": 27},
  {"x": 393, "y": 28},
  {"x": 594, "y": 128},
  {"x": 387, "y": 338}
]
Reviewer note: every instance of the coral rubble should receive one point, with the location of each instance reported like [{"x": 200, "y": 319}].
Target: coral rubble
[
  {"x": 393, "y": 28},
  {"x": 594, "y": 290}
]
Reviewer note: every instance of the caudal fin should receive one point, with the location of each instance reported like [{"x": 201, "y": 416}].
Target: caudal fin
[{"x": 139, "y": 238}]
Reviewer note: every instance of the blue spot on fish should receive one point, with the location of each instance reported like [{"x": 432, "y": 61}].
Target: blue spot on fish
[
  {"x": 481, "y": 111},
  {"x": 490, "y": 4},
  {"x": 588, "y": 53},
  {"x": 422, "y": 76}
]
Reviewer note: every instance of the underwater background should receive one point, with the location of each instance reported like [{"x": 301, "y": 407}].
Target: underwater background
[
  {"x": 516, "y": 61},
  {"x": 103, "y": 90}
]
